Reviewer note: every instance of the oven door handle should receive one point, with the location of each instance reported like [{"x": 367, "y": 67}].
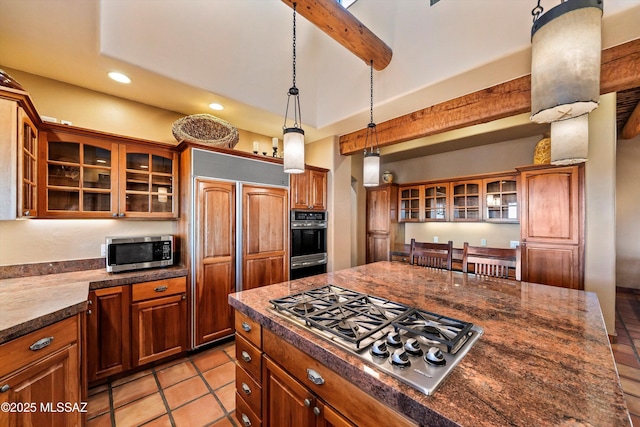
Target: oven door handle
[{"x": 309, "y": 263}]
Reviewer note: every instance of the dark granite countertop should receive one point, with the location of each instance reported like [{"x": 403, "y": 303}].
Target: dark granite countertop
[
  {"x": 32, "y": 302},
  {"x": 544, "y": 358}
]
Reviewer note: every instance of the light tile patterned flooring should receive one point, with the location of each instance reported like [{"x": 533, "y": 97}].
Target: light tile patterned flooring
[
  {"x": 198, "y": 390},
  {"x": 625, "y": 351}
]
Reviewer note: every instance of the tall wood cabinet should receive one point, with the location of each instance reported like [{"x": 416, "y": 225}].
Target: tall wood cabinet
[
  {"x": 383, "y": 230},
  {"x": 309, "y": 189},
  {"x": 18, "y": 155},
  {"x": 552, "y": 225}
]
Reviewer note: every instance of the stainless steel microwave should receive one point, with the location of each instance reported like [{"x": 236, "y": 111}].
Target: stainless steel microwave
[{"x": 135, "y": 253}]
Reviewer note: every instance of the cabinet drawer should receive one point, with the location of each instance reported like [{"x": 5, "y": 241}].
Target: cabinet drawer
[
  {"x": 22, "y": 351},
  {"x": 249, "y": 329},
  {"x": 158, "y": 288},
  {"x": 249, "y": 389},
  {"x": 248, "y": 357},
  {"x": 361, "y": 408},
  {"x": 246, "y": 417}
]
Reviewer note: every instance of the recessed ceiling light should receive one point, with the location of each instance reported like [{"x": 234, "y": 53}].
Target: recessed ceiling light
[
  {"x": 119, "y": 77},
  {"x": 216, "y": 106}
]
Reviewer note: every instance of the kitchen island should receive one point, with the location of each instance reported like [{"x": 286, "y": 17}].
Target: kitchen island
[{"x": 544, "y": 358}]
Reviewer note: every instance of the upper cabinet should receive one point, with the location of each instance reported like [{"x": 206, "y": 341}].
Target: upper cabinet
[
  {"x": 428, "y": 202},
  {"x": 85, "y": 174},
  {"x": 467, "y": 199},
  {"x": 501, "y": 198},
  {"x": 18, "y": 157},
  {"x": 309, "y": 189}
]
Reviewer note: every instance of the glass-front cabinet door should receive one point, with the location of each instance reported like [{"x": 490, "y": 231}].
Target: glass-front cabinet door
[
  {"x": 27, "y": 165},
  {"x": 466, "y": 200},
  {"x": 79, "y": 176},
  {"x": 501, "y": 204},
  {"x": 435, "y": 202},
  {"x": 409, "y": 204},
  {"x": 148, "y": 176}
]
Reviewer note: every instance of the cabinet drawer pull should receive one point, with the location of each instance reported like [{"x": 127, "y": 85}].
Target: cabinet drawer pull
[
  {"x": 88, "y": 312},
  {"x": 246, "y": 327},
  {"x": 160, "y": 289},
  {"x": 40, "y": 344},
  {"x": 314, "y": 377},
  {"x": 246, "y": 421},
  {"x": 245, "y": 356},
  {"x": 307, "y": 402},
  {"x": 27, "y": 213},
  {"x": 5, "y": 388},
  {"x": 316, "y": 411},
  {"x": 246, "y": 388}
]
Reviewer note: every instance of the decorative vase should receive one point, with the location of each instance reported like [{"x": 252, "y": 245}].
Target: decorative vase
[{"x": 387, "y": 177}]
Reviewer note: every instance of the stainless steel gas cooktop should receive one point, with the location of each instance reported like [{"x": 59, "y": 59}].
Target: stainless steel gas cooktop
[{"x": 417, "y": 347}]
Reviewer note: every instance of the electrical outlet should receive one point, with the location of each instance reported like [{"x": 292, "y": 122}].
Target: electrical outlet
[
  {"x": 513, "y": 243},
  {"x": 103, "y": 250},
  {"x": 65, "y": 122},
  {"x": 435, "y": 239},
  {"x": 483, "y": 242}
]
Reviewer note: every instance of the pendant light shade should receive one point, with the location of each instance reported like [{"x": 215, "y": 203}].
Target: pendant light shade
[
  {"x": 293, "y": 150},
  {"x": 293, "y": 137},
  {"x": 570, "y": 141},
  {"x": 566, "y": 44},
  {"x": 371, "y": 165}
]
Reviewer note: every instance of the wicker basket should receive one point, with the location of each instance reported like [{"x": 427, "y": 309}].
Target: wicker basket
[{"x": 205, "y": 129}]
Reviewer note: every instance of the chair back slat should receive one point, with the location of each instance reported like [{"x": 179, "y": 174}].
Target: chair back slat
[
  {"x": 434, "y": 255},
  {"x": 494, "y": 262}
]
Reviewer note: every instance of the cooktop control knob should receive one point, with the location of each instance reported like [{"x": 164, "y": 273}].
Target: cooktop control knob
[
  {"x": 379, "y": 349},
  {"x": 400, "y": 358},
  {"x": 394, "y": 340},
  {"x": 413, "y": 347},
  {"x": 435, "y": 356}
]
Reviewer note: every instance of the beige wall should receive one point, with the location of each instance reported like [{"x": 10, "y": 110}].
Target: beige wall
[
  {"x": 39, "y": 240},
  {"x": 600, "y": 188},
  {"x": 628, "y": 213}
]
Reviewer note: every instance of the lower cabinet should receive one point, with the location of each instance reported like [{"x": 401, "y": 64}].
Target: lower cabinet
[
  {"x": 278, "y": 385},
  {"x": 159, "y": 320},
  {"x": 133, "y": 325},
  {"x": 41, "y": 371}
]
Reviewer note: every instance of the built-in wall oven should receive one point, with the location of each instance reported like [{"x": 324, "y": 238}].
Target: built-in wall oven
[{"x": 308, "y": 243}]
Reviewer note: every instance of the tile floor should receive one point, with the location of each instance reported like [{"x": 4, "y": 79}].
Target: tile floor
[
  {"x": 198, "y": 390},
  {"x": 625, "y": 351}
]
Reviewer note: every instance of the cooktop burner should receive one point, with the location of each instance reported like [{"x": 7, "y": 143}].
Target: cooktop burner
[{"x": 416, "y": 346}]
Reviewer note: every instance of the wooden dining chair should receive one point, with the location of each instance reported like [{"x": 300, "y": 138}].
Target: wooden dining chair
[
  {"x": 435, "y": 255},
  {"x": 494, "y": 262}
]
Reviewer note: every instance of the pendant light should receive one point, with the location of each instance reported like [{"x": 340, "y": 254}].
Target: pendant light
[
  {"x": 371, "y": 166},
  {"x": 566, "y": 44},
  {"x": 570, "y": 141},
  {"x": 293, "y": 137}
]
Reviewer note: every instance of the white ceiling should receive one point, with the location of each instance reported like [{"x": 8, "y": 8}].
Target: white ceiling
[{"x": 184, "y": 54}]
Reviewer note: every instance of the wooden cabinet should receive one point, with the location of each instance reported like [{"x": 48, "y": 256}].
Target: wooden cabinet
[
  {"x": 410, "y": 203},
  {"x": 42, "y": 370},
  {"x": 300, "y": 391},
  {"x": 18, "y": 161},
  {"x": 466, "y": 202},
  {"x": 428, "y": 202},
  {"x": 214, "y": 259},
  {"x": 264, "y": 236},
  {"x": 108, "y": 332},
  {"x": 501, "y": 198},
  {"x": 383, "y": 230},
  {"x": 249, "y": 390},
  {"x": 159, "y": 320},
  {"x": 309, "y": 189},
  {"x": 86, "y": 174},
  {"x": 552, "y": 225}
]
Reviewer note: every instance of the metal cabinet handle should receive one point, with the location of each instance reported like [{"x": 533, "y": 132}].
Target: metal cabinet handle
[
  {"x": 115, "y": 215},
  {"x": 245, "y": 356},
  {"x": 246, "y": 388},
  {"x": 246, "y": 421},
  {"x": 89, "y": 312},
  {"x": 5, "y": 388},
  {"x": 246, "y": 327},
  {"x": 27, "y": 213},
  {"x": 316, "y": 411},
  {"x": 161, "y": 289},
  {"x": 307, "y": 402},
  {"x": 40, "y": 344},
  {"x": 121, "y": 214},
  {"x": 314, "y": 377}
]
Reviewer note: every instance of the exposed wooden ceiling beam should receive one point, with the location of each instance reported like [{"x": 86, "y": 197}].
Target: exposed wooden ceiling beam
[
  {"x": 619, "y": 71},
  {"x": 631, "y": 129},
  {"x": 343, "y": 27}
]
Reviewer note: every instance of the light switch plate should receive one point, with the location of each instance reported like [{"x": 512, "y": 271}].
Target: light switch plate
[
  {"x": 483, "y": 242},
  {"x": 103, "y": 250},
  {"x": 435, "y": 239}
]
